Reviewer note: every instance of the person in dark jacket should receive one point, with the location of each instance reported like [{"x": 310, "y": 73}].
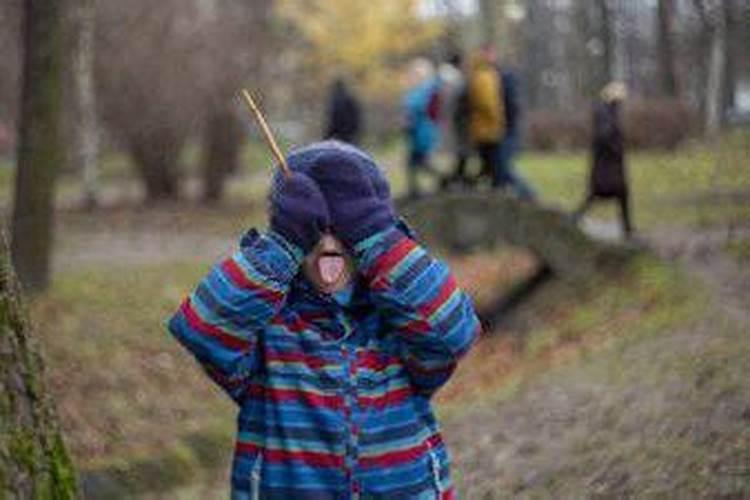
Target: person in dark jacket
[
  {"x": 332, "y": 331},
  {"x": 608, "y": 179},
  {"x": 344, "y": 116},
  {"x": 505, "y": 173}
]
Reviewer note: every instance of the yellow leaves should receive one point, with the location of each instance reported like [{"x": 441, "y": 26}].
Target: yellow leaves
[{"x": 363, "y": 38}]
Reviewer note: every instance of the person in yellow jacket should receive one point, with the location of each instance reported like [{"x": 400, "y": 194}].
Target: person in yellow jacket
[{"x": 486, "y": 108}]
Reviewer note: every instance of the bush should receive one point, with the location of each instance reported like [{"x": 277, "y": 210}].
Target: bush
[
  {"x": 657, "y": 123},
  {"x": 558, "y": 130},
  {"x": 648, "y": 124}
]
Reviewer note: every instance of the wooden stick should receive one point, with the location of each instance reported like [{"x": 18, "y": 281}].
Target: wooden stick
[{"x": 267, "y": 133}]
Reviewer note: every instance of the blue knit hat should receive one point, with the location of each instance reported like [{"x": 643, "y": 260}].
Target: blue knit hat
[{"x": 336, "y": 153}]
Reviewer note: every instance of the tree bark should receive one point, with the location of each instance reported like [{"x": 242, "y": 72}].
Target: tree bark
[
  {"x": 667, "y": 61},
  {"x": 156, "y": 155},
  {"x": 488, "y": 12},
  {"x": 609, "y": 41},
  {"x": 33, "y": 460},
  {"x": 223, "y": 138},
  {"x": 40, "y": 149},
  {"x": 86, "y": 135},
  {"x": 716, "y": 74}
]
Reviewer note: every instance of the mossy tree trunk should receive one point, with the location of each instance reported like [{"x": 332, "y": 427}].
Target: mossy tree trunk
[
  {"x": 33, "y": 460},
  {"x": 40, "y": 145}
]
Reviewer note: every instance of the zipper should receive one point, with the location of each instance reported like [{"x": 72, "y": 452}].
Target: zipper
[
  {"x": 435, "y": 466},
  {"x": 255, "y": 477}
]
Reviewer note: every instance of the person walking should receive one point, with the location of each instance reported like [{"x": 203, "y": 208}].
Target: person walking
[
  {"x": 344, "y": 114},
  {"x": 455, "y": 118},
  {"x": 421, "y": 111},
  {"x": 505, "y": 173},
  {"x": 608, "y": 179},
  {"x": 486, "y": 113}
]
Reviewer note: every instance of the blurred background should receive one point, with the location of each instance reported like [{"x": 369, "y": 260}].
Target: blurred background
[{"x": 129, "y": 164}]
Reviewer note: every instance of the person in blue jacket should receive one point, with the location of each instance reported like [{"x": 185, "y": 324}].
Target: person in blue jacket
[
  {"x": 421, "y": 106},
  {"x": 332, "y": 330}
]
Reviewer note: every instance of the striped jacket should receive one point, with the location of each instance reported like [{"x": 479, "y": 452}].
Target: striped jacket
[{"x": 334, "y": 399}]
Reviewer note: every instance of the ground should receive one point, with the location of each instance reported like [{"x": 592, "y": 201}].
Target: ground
[
  {"x": 632, "y": 384},
  {"x": 667, "y": 415}
]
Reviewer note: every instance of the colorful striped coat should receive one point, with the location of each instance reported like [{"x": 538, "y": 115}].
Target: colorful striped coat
[{"x": 334, "y": 399}]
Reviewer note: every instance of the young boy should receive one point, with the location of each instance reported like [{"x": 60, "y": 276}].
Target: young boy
[{"x": 331, "y": 331}]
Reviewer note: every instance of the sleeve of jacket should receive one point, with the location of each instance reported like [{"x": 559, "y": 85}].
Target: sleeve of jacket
[
  {"x": 433, "y": 319},
  {"x": 220, "y": 320}
]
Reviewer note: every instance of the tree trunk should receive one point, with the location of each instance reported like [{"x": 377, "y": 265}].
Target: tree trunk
[
  {"x": 609, "y": 41},
  {"x": 33, "y": 460},
  {"x": 488, "y": 12},
  {"x": 733, "y": 52},
  {"x": 716, "y": 74},
  {"x": 223, "y": 138},
  {"x": 40, "y": 149},
  {"x": 86, "y": 135},
  {"x": 156, "y": 155},
  {"x": 667, "y": 61}
]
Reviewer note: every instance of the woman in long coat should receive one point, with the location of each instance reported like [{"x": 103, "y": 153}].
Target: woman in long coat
[{"x": 608, "y": 179}]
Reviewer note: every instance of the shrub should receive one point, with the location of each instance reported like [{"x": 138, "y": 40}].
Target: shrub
[
  {"x": 647, "y": 124},
  {"x": 558, "y": 130},
  {"x": 657, "y": 123}
]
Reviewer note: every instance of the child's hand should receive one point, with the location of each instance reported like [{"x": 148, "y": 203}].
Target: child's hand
[
  {"x": 298, "y": 211},
  {"x": 357, "y": 212}
]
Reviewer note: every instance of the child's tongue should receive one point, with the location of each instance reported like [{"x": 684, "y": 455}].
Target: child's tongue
[{"x": 330, "y": 268}]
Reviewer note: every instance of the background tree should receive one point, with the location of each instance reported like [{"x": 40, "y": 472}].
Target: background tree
[
  {"x": 40, "y": 149},
  {"x": 149, "y": 77},
  {"x": 34, "y": 462},
  {"x": 231, "y": 58},
  {"x": 667, "y": 59},
  {"x": 332, "y": 37},
  {"x": 86, "y": 133},
  {"x": 713, "y": 18}
]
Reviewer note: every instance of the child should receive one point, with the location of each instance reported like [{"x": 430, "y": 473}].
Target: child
[{"x": 331, "y": 331}]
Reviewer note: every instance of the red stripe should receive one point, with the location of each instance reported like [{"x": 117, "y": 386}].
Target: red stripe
[
  {"x": 294, "y": 325},
  {"x": 312, "y": 458},
  {"x": 240, "y": 279},
  {"x": 334, "y": 402},
  {"x": 197, "y": 323},
  {"x": 388, "y": 260},
  {"x": 390, "y": 398},
  {"x": 416, "y": 326},
  {"x": 400, "y": 456},
  {"x": 448, "y": 287},
  {"x": 376, "y": 362}
]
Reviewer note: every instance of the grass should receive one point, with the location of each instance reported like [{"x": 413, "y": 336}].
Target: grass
[{"x": 668, "y": 188}]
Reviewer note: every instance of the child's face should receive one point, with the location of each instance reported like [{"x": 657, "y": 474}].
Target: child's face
[{"x": 329, "y": 266}]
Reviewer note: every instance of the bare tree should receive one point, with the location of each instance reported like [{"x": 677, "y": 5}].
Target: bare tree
[
  {"x": 489, "y": 10},
  {"x": 712, "y": 14},
  {"x": 667, "y": 59},
  {"x": 40, "y": 149},
  {"x": 236, "y": 35},
  {"x": 86, "y": 134},
  {"x": 34, "y": 462},
  {"x": 149, "y": 82}
]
